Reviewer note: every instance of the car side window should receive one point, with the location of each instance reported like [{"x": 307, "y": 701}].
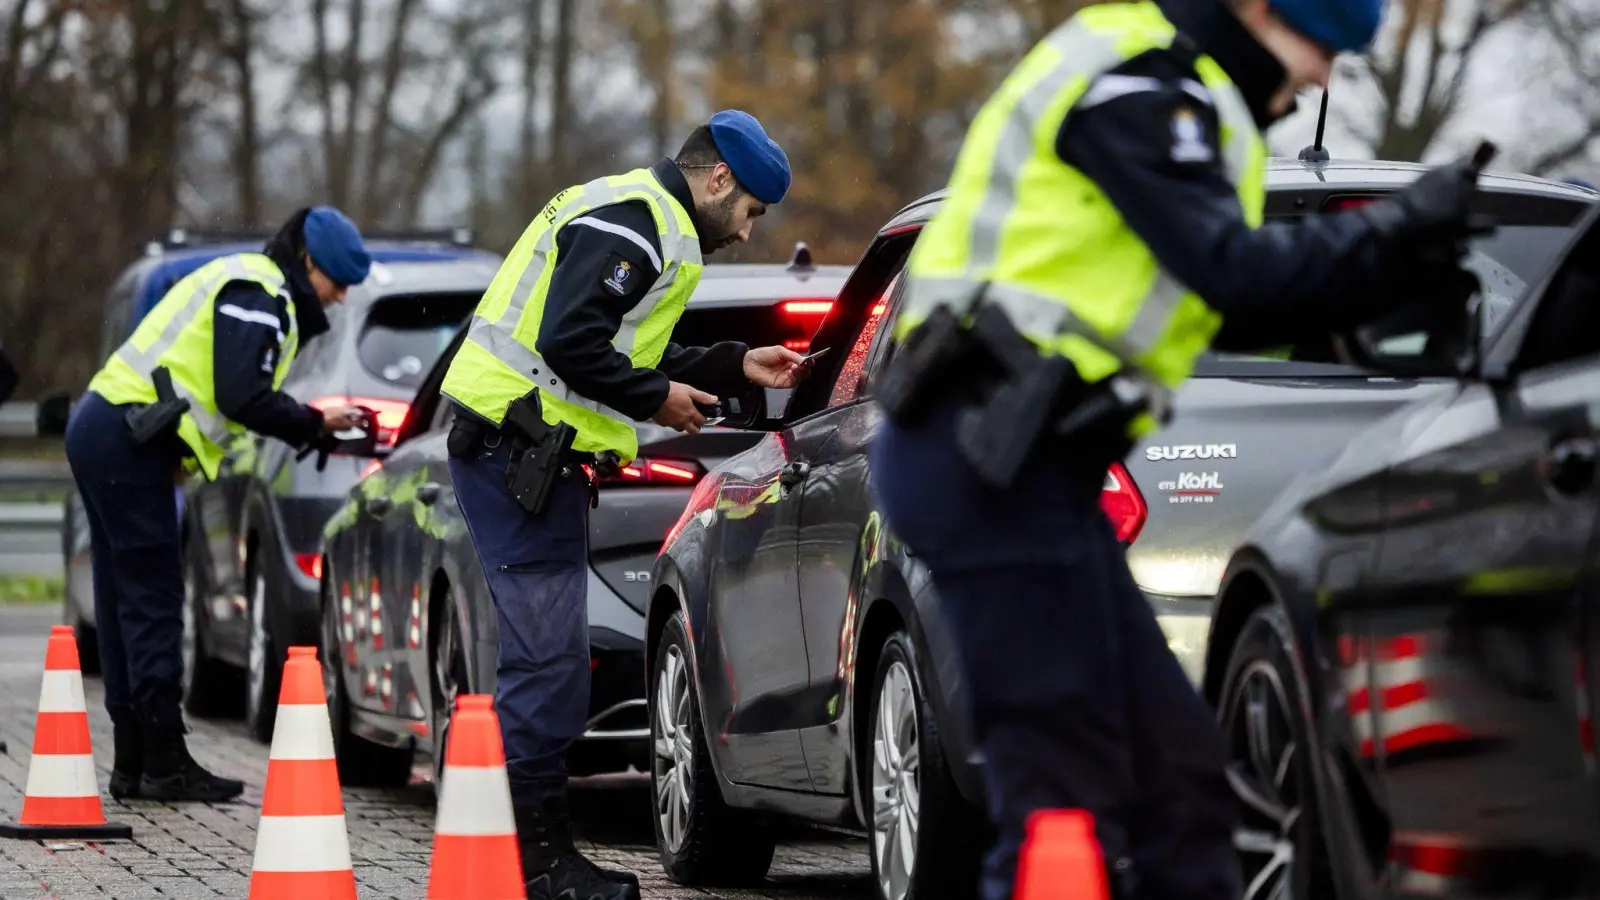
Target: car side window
[
  {"x": 867, "y": 347},
  {"x": 1566, "y": 323}
]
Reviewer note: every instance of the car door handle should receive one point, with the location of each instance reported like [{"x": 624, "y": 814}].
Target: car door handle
[
  {"x": 793, "y": 474},
  {"x": 378, "y": 505},
  {"x": 428, "y": 494},
  {"x": 1570, "y": 467}
]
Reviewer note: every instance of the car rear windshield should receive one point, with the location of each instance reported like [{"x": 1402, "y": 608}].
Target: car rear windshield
[
  {"x": 404, "y": 335},
  {"x": 1505, "y": 263}
]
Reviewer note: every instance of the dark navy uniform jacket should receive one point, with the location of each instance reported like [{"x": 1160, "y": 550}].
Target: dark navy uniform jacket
[{"x": 1273, "y": 285}]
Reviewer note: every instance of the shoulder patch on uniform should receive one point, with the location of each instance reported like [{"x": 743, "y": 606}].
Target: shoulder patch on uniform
[
  {"x": 619, "y": 276},
  {"x": 1189, "y": 144}
]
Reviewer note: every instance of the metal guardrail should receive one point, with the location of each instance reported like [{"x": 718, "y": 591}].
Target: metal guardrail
[
  {"x": 17, "y": 420},
  {"x": 30, "y": 510}
]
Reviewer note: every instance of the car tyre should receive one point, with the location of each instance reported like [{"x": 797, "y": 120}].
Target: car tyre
[
  {"x": 362, "y": 763},
  {"x": 1279, "y": 838},
  {"x": 209, "y": 686},
  {"x": 263, "y": 655},
  {"x": 88, "y": 641},
  {"x": 702, "y": 840},
  {"x": 923, "y": 838},
  {"x": 449, "y": 679},
  {"x": 82, "y": 632}
]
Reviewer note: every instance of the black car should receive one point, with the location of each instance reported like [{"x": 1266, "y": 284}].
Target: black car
[
  {"x": 407, "y": 619},
  {"x": 799, "y": 665},
  {"x": 1403, "y": 651},
  {"x": 253, "y": 535}
]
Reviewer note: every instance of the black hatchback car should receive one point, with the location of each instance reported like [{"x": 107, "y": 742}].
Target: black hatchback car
[
  {"x": 1404, "y": 648},
  {"x": 407, "y": 621},
  {"x": 799, "y": 664}
]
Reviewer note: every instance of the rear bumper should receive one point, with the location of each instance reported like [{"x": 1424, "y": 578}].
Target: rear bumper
[{"x": 1187, "y": 624}]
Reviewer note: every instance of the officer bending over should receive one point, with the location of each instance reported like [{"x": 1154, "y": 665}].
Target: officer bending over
[
  {"x": 1103, "y": 228},
  {"x": 568, "y": 348},
  {"x": 222, "y": 341}
]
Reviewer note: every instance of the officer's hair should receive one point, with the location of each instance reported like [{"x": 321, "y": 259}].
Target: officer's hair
[{"x": 700, "y": 152}]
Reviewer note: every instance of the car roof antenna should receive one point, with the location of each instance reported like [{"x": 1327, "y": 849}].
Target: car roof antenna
[
  {"x": 1316, "y": 153},
  {"x": 802, "y": 256}
]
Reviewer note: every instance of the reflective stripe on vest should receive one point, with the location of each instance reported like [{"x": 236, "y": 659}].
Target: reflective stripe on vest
[
  {"x": 499, "y": 362},
  {"x": 177, "y": 333},
  {"x": 1011, "y": 151}
]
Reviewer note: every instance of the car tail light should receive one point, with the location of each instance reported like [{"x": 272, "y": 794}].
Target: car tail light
[
  {"x": 1339, "y": 204},
  {"x": 310, "y": 564},
  {"x": 814, "y": 308},
  {"x": 1123, "y": 504},
  {"x": 391, "y": 413},
  {"x": 801, "y": 320},
  {"x": 669, "y": 472}
]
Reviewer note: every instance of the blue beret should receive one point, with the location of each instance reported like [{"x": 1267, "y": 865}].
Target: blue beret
[
  {"x": 335, "y": 245},
  {"x": 1342, "y": 26},
  {"x": 756, "y": 160}
]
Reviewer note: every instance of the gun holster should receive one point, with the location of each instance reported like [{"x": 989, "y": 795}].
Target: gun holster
[
  {"x": 153, "y": 420},
  {"x": 541, "y": 454},
  {"x": 924, "y": 368}
]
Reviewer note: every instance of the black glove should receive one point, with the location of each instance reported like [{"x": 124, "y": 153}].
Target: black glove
[{"x": 1434, "y": 210}]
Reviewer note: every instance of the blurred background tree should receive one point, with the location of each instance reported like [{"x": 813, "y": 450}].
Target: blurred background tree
[{"x": 122, "y": 118}]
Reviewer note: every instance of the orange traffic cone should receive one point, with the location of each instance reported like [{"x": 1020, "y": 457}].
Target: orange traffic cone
[
  {"x": 1061, "y": 858},
  {"x": 302, "y": 848},
  {"x": 475, "y": 854},
  {"x": 62, "y": 799}
]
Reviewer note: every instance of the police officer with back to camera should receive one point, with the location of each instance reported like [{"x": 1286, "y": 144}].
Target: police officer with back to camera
[
  {"x": 1102, "y": 229},
  {"x": 568, "y": 348},
  {"x": 203, "y": 366}
]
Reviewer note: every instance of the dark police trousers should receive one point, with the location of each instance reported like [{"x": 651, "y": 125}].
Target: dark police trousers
[
  {"x": 136, "y": 549},
  {"x": 537, "y": 570},
  {"x": 1077, "y": 702}
]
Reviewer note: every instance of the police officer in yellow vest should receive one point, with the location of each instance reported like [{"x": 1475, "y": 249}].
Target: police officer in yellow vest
[
  {"x": 1103, "y": 228},
  {"x": 568, "y": 348},
  {"x": 222, "y": 341}
]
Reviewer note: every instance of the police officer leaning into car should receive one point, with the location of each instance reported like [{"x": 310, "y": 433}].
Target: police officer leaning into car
[
  {"x": 226, "y": 335},
  {"x": 1103, "y": 228},
  {"x": 572, "y": 337}
]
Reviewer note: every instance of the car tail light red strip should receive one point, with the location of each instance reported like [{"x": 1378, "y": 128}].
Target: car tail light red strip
[
  {"x": 669, "y": 472},
  {"x": 816, "y": 308},
  {"x": 1339, "y": 204},
  {"x": 391, "y": 414},
  {"x": 1123, "y": 504},
  {"x": 310, "y": 564}
]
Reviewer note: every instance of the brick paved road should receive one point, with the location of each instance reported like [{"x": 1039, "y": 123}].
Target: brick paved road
[{"x": 205, "y": 851}]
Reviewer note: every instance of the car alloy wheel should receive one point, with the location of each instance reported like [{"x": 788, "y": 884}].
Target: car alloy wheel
[
  {"x": 896, "y": 796},
  {"x": 674, "y": 749},
  {"x": 1262, "y": 771},
  {"x": 256, "y": 655}
]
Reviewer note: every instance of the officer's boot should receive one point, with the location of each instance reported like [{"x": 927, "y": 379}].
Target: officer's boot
[
  {"x": 552, "y": 865},
  {"x": 127, "y": 765},
  {"x": 172, "y": 775}
]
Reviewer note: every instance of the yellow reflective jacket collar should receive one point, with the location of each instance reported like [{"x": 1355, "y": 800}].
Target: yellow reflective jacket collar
[{"x": 671, "y": 178}]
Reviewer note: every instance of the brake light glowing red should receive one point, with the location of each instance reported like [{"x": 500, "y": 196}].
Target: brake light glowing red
[
  {"x": 1339, "y": 204},
  {"x": 391, "y": 414},
  {"x": 806, "y": 307},
  {"x": 310, "y": 564},
  {"x": 798, "y": 346},
  {"x": 879, "y": 308},
  {"x": 1123, "y": 504},
  {"x": 669, "y": 472}
]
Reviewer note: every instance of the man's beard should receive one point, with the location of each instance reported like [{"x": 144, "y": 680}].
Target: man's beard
[{"x": 716, "y": 224}]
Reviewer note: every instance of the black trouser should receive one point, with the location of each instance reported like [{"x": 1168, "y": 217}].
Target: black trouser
[
  {"x": 1076, "y": 699},
  {"x": 137, "y": 553}
]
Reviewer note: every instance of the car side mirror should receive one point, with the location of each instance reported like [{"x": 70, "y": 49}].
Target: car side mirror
[
  {"x": 746, "y": 411},
  {"x": 1417, "y": 342},
  {"x": 54, "y": 409}
]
